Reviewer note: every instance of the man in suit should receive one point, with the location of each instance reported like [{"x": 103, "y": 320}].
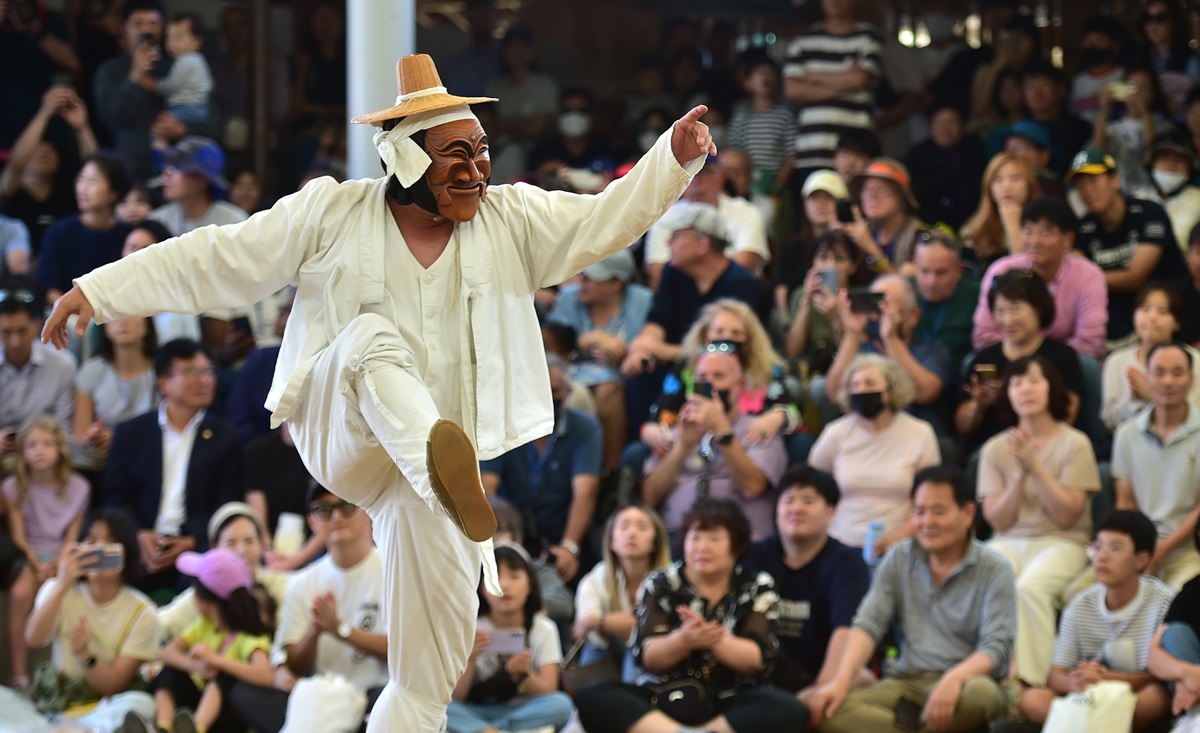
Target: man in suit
[{"x": 172, "y": 467}]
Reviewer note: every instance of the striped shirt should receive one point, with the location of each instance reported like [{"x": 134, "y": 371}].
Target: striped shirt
[
  {"x": 821, "y": 123},
  {"x": 767, "y": 136},
  {"x": 188, "y": 82},
  {"x": 1120, "y": 639}
]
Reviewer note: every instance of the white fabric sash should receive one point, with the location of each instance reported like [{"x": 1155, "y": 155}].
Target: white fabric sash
[{"x": 402, "y": 157}]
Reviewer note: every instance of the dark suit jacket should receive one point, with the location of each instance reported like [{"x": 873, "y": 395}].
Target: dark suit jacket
[{"x": 134, "y": 474}]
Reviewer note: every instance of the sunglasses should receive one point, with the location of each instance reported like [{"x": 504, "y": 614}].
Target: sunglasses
[
  {"x": 325, "y": 510},
  {"x": 20, "y": 295},
  {"x": 723, "y": 347}
]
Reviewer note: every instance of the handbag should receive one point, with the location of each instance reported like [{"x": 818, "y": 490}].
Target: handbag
[
  {"x": 324, "y": 703},
  {"x": 576, "y": 676},
  {"x": 1105, "y": 707},
  {"x": 685, "y": 699}
]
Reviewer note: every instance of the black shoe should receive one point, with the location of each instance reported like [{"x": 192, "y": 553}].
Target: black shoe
[
  {"x": 184, "y": 722},
  {"x": 134, "y": 723}
]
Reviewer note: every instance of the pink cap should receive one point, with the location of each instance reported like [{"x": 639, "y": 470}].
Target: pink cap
[{"x": 221, "y": 571}]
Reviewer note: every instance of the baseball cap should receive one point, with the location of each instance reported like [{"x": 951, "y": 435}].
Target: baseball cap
[
  {"x": 220, "y": 571},
  {"x": 1091, "y": 162},
  {"x": 618, "y": 266},
  {"x": 886, "y": 169},
  {"x": 192, "y": 154},
  {"x": 828, "y": 181},
  {"x": 1034, "y": 132},
  {"x": 1169, "y": 143},
  {"x": 694, "y": 215},
  {"x": 228, "y": 511}
]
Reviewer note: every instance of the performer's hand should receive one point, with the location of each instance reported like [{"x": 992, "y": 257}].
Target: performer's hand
[
  {"x": 73, "y": 303},
  {"x": 690, "y": 137}
]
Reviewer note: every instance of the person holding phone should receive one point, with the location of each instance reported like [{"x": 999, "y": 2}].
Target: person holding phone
[
  {"x": 511, "y": 680},
  {"x": 826, "y": 200},
  {"x": 814, "y": 325}
]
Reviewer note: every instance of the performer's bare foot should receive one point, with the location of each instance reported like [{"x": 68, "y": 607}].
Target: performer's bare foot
[{"x": 454, "y": 473}]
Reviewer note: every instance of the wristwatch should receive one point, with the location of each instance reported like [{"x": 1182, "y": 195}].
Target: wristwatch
[
  {"x": 344, "y": 629},
  {"x": 724, "y": 439},
  {"x": 570, "y": 546},
  {"x": 89, "y": 661}
]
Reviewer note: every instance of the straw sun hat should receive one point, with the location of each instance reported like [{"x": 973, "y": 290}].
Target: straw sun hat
[{"x": 420, "y": 90}]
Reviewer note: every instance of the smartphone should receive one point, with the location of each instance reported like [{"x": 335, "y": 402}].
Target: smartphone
[
  {"x": 63, "y": 79},
  {"x": 845, "y": 211},
  {"x": 987, "y": 371},
  {"x": 1121, "y": 91},
  {"x": 145, "y": 38},
  {"x": 704, "y": 389},
  {"x": 242, "y": 323},
  {"x": 829, "y": 279},
  {"x": 506, "y": 642},
  {"x": 908, "y": 714},
  {"x": 103, "y": 557},
  {"x": 865, "y": 301}
]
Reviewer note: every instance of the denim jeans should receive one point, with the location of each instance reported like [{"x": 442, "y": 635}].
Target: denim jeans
[{"x": 521, "y": 713}]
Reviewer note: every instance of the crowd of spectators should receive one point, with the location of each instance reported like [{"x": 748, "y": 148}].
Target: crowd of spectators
[{"x": 898, "y": 406}]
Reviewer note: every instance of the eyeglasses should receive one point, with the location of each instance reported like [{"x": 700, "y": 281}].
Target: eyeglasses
[
  {"x": 197, "y": 372},
  {"x": 1097, "y": 547},
  {"x": 325, "y": 510},
  {"x": 1158, "y": 18},
  {"x": 20, "y": 295}
]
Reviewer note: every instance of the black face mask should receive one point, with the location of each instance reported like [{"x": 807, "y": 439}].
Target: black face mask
[
  {"x": 1090, "y": 58},
  {"x": 867, "y": 404}
]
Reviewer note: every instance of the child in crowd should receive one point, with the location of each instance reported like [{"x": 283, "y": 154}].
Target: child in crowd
[
  {"x": 136, "y": 206},
  {"x": 1106, "y": 631},
  {"x": 186, "y": 87},
  {"x": 502, "y": 689},
  {"x": 635, "y": 545},
  {"x": 227, "y": 644},
  {"x": 46, "y": 499},
  {"x": 764, "y": 127}
]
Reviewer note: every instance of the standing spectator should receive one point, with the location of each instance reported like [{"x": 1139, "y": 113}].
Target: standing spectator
[
  {"x": 34, "y": 47},
  {"x": 1018, "y": 44},
  {"x": 530, "y": 97},
  {"x": 35, "y": 185},
  {"x": 706, "y": 621},
  {"x": 1107, "y": 630},
  {"x": 1045, "y": 91},
  {"x": 1036, "y": 482},
  {"x": 1154, "y": 467},
  {"x": 1077, "y": 286},
  {"x": 470, "y": 71},
  {"x": 318, "y": 94},
  {"x": 942, "y": 163},
  {"x": 945, "y": 295},
  {"x": 80, "y": 243},
  {"x": 233, "y": 78},
  {"x": 763, "y": 127},
  {"x": 1178, "y": 68},
  {"x": 1129, "y": 238},
  {"x": 830, "y": 71},
  {"x": 1127, "y": 137},
  {"x": 952, "y": 601},
  {"x": 189, "y": 83},
  {"x": 34, "y": 379},
  {"x": 994, "y": 230},
  {"x": 873, "y": 452},
  {"x": 553, "y": 481},
  {"x": 820, "y": 583},
  {"x": 888, "y": 226},
  {"x": 1171, "y": 163},
  {"x": 822, "y": 191},
  {"x": 1156, "y": 320},
  {"x": 505, "y": 690},
  {"x": 1101, "y": 45}
]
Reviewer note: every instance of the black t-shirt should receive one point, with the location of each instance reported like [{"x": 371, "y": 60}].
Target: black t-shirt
[
  {"x": 1186, "y": 606},
  {"x": 1189, "y": 331},
  {"x": 678, "y": 301},
  {"x": 1145, "y": 223},
  {"x": 814, "y": 601},
  {"x": 276, "y": 470},
  {"x": 39, "y": 215},
  {"x": 1068, "y": 135},
  {"x": 1062, "y": 357}
]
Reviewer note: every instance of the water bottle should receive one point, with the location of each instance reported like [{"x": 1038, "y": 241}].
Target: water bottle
[
  {"x": 888, "y": 668},
  {"x": 874, "y": 532}
]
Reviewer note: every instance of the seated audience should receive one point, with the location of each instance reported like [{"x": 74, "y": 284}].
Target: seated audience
[
  {"x": 101, "y": 630},
  {"x": 945, "y": 295},
  {"x": 1106, "y": 631},
  {"x": 1130, "y": 239},
  {"x": 873, "y": 452},
  {"x": 635, "y": 544},
  {"x": 941, "y": 164},
  {"x": 172, "y": 467},
  {"x": 854, "y": 151},
  {"x": 1045, "y": 90},
  {"x": 707, "y": 621},
  {"x": 245, "y": 408},
  {"x": 34, "y": 379},
  {"x": 557, "y": 600},
  {"x": 1101, "y": 42},
  {"x": 82, "y": 242},
  {"x": 712, "y": 452},
  {"x": 885, "y": 224},
  {"x": 1154, "y": 464},
  {"x": 1156, "y": 320},
  {"x": 168, "y": 326},
  {"x": 135, "y": 207},
  {"x": 1035, "y": 483},
  {"x": 1022, "y": 307},
  {"x": 332, "y": 617},
  {"x": 1171, "y": 162},
  {"x": 952, "y": 602},
  {"x": 1125, "y": 128},
  {"x": 114, "y": 386},
  {"x": 192, "y": 182},
  {"x": 814, "y": 326},
  {"x": 823, "y": 190},
  {"x": 275, "y": 481},
  {"x": 500, "y": 689},
  {"x": 1175, "y": 650},
  {"x": 554, "y": 481},
  {"x": 820, "y": 583},
  {"x": 1030, "y": 142},
  {"x": 1080, "y": 294},
  {"x": 994, "y": 230},
  {"x": 1189, "y": 286},
  {"x": 235, "y": 527}
]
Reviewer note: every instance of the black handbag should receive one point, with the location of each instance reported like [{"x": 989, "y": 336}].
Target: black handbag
[
  {"x": 576, "y": 676},
  {"x": 686, "y": 699}
]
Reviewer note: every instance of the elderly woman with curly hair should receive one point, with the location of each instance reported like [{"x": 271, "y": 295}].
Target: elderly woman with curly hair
[{"x": 874, "y": 451}]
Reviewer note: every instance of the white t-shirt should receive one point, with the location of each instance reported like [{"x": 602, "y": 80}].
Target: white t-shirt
[
  {"x": 359, "y": 595},
  {"x": 747, "y": 231},
  {"x": 542, "y": 642},
  {"x": 592, "y": 599},
  {"x": 124, "y": 627}
]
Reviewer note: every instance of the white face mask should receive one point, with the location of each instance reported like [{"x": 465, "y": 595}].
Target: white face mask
[
  {"x": 1168, "y": 181},
  {"x": 574, "y": 123}
]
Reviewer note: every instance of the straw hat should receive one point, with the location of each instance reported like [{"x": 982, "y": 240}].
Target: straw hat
[{"x": 420, "y": 89}]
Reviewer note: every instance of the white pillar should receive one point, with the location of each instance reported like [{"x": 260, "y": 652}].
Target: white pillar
[{"x": 377, "y": 34}]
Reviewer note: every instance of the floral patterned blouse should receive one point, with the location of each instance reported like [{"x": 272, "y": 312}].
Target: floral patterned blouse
[{"x": 750, "y": 610}]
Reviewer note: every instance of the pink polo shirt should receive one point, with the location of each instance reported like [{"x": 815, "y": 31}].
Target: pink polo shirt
[{"x": 1080, "y": 303}]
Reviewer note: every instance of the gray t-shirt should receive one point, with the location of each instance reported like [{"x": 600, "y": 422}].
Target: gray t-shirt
[
  {"x": 1163, "y": 477},
  {"x": 1120, "y": 638},
  {"x": 116, "y": 400},
  {"x": 221, "y": 212}
]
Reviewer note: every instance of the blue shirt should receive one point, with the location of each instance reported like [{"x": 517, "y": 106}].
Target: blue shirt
[
  {"x": 245, "y": 409},
  {"x": 540, "y": 485},
  {"x": 70, "y": 250},
  {"x": 635, "y": 306}
]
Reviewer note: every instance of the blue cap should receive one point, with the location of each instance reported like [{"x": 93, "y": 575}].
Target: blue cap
[
  {"x": 197, "y": 155},
  {"x": 1034, "y": 132}
]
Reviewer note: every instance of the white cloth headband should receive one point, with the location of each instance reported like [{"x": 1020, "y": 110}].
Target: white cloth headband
[{"x": 401, "y": 156}]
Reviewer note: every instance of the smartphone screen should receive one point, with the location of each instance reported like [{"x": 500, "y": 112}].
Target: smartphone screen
[
  {"x": 704, "y": 389},
  {"x": 845, "y": 211},
  {"x": 908, "y": 714},
  {"x": 103, "y": 557},
  {"x": 986, "y": 371},
  {"x": 507, "y": 642},
  {"x": 865, "y": 301},
  {"x": 829, "y": 279}
]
